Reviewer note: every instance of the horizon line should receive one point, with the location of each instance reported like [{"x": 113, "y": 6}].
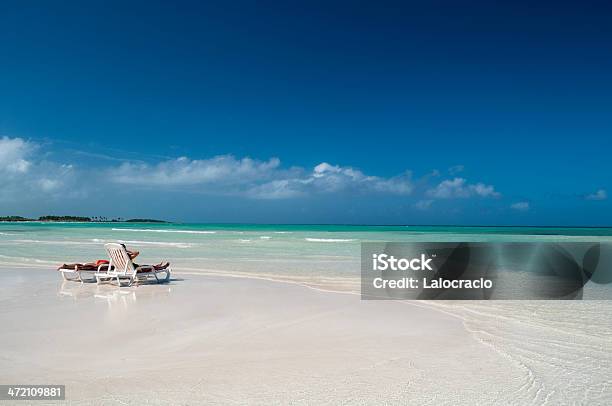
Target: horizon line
[{"x": 313, "y": 224}]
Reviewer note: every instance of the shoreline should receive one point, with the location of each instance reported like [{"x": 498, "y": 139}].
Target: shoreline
[
  {"x": 164, "y": 222},
  {"x": 398, "y": 227}
]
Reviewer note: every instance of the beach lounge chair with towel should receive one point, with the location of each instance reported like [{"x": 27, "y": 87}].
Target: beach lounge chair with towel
[
  {"x": 122, "y": 268},
  {"x": 83, "y": 272}
]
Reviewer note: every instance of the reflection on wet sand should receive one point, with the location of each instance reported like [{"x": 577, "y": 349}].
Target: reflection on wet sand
[{"x": 112, "y": 294}]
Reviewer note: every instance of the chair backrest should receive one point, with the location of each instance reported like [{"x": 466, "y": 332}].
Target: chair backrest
[{"x": 119, "y": 258}]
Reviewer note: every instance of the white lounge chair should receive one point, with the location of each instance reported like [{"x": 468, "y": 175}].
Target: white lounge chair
[
  {"x": 77, "y": 274},
  {"x": 121, "y": 267}
]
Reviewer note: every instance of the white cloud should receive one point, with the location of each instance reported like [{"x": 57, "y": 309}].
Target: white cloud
[
  {"x": 49, "y": 184},
  {"x": 224, "y": 169},
  {"x": 25, "y": 176},
  {"x": 520, "y": 206},
  {"x": 601, "y": 194},
  {"x": 13, "y": 154},
  {"x": 277, "y": 189},
  {"x": 459, "y": 188},
  {"x": 227, "y": 175},
  {"x": 326, "y": 177}
]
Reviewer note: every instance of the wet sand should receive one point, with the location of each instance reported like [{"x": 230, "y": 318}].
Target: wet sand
[{"x": 224, "y": 340}]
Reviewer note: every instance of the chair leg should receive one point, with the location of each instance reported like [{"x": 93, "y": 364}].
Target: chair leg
[{"x": 104, "y": 279}]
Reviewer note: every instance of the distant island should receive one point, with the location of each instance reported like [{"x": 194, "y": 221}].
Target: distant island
[{"x": 80, "y": 219}]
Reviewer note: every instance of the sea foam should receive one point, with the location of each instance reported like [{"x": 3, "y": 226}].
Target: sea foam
[
  {"x": 151, "y": 230},
  {"x": 329, "y": 239}
]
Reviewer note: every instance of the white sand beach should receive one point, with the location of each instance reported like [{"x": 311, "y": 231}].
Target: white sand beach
[{"x": 224, "y": 340}]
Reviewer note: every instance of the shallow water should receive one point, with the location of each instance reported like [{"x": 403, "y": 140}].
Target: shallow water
[{"x": 316, "y": 254}]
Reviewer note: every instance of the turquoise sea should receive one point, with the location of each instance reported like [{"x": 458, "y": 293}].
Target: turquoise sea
[{"x": 320, "y": 255}]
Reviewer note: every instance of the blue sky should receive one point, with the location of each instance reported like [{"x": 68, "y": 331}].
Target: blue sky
[{"x": 389, "y": 112}]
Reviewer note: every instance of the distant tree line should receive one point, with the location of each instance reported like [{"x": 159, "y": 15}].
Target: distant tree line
[
  {"x": 95, "y": 219},
  {"x": 14, "y": 218},
  {"x": 64, "y": 218}
]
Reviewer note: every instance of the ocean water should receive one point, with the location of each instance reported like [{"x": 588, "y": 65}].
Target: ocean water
[{"x": 318, "y": 255}]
